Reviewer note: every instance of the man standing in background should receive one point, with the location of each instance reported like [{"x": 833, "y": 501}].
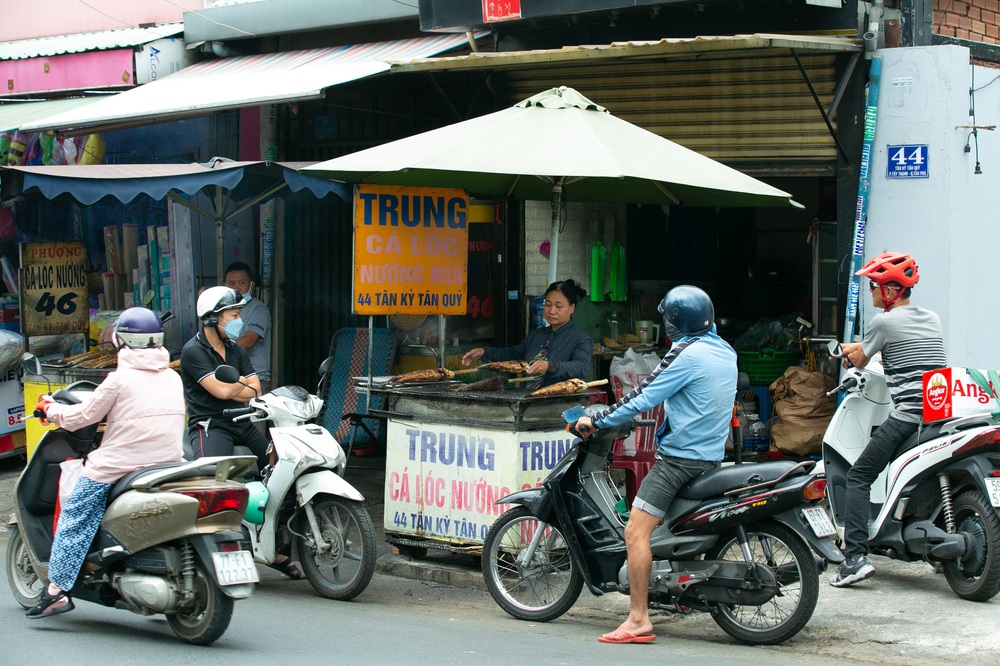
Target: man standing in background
[{"x": 256, "y": 336}]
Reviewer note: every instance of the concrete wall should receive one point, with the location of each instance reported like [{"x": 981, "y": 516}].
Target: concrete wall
[
  {"x": 948, "y": 221},
  {"x": 585, "y": 223}
]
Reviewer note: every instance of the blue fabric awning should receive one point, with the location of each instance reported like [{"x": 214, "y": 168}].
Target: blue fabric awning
[{"x": 91, "y": 183}]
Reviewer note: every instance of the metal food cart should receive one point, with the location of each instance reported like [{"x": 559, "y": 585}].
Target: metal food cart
[{"x": 451, "y": 454}]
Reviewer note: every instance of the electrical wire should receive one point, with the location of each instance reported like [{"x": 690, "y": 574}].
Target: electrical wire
[{"x": 210, "y": 20}]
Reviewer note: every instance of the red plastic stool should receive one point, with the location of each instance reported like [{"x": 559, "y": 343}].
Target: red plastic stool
[{"x": 635, "y": 472}]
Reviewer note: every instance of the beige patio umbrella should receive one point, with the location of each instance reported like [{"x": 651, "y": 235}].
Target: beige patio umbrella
[{"x": 557, "y": 145}]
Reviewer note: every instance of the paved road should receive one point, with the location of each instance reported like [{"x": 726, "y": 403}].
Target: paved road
[{"x": 906, "y": 614}]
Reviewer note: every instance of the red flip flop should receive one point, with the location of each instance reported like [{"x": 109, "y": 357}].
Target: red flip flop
[{"x": 620, "y": 637}]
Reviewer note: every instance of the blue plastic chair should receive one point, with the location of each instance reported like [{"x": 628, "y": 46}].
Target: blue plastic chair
[{"x": 344, "y": 409}]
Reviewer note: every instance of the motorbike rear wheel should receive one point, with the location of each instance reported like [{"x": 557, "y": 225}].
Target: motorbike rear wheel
[
  {"x": 205, "y": 620},
  {"x": 539, "y": 590},
  {"x": 343, "y": 571},
  {"x": 24, "y": 582},
  {"x": 784, "y": 615},
  {"x": 976, "y": 576}
]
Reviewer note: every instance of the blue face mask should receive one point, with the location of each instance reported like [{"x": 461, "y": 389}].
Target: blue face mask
[
  {"x": 234, "y": 329},
  {"x": 246, "y": 296}
]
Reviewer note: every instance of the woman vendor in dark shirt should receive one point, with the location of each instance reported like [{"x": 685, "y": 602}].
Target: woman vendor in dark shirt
[{"x": 556, "y": 352}]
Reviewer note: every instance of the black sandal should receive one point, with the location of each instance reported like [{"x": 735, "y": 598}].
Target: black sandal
[
  {"x": 49, "y": 605},
  {"x": 288, "y": 568}
]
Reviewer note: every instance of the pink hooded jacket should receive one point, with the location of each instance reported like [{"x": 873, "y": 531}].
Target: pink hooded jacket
[{"x": 144, "y": 403}]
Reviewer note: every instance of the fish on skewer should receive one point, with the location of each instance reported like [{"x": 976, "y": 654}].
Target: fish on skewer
[
  {"x": 565, "y": 388},
  {"x": 506, "y": 367},
  {"x": 490, "y": 384},
  {"x": 428, "y": 375}
]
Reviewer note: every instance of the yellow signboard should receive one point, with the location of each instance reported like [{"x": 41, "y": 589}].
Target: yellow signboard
[
  {"x": 54, "y": 288},
  {"x": 411, "y": 250}
]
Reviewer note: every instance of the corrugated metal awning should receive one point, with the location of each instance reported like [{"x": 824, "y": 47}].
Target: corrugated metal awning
[
  {"x": 87, "y": 41},
  {"x": 12, "y": 116},
  {"x": 232, "y": 83},
  {"x": 632, "y": 50}
]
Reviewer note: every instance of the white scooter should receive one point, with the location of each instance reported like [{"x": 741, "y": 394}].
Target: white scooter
[
  {"x": 307, "y": 504},
  {"x": 938, "y": 501}
]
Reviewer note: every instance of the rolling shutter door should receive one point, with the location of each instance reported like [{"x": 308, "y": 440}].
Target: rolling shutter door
[{"x": 754, "y": 113}]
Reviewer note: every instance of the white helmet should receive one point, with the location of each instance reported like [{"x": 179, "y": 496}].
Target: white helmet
[{"x": 215, "y": 300}]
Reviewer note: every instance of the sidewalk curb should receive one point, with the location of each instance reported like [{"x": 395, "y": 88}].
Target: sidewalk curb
[{"x": 426, "y": 571}]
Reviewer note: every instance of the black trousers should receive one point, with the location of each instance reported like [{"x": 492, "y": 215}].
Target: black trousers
[
  {"x": 884, "y": 446},
  {"x": 217, "y": 437}
]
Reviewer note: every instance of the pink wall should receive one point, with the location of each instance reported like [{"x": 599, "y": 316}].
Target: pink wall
[
  {"x": 28, "y": 19},
  {"x": 75, "y": 71}
]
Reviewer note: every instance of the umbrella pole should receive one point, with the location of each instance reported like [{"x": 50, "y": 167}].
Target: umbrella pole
[
  {"x": 557, "y": 190},
  {"x": 220, "y": 236}
]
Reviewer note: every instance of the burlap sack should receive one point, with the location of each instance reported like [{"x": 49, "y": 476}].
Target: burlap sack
[{"x": 802, "y": 411}]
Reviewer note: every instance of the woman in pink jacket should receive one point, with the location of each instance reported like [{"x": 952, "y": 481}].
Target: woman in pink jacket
[{"x": 143, "y": 402}]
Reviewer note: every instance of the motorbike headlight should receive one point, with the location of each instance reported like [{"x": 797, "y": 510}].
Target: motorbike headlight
[{"x": 300, "y": 409}]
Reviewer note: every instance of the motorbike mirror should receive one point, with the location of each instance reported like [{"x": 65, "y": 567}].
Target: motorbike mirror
[
  {"x": 227, "y": 374},
  {"x": 31, "y": 364},
  {"x": 835, "y": 349}
]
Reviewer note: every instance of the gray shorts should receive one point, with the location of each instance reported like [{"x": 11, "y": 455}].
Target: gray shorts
[{"x": 666, "y": 477}]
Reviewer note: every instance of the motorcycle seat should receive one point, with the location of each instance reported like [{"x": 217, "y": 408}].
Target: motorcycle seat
[
  {"x": 124, "y": 483},
  {"x": 717, "y": 481},
  {"x": 932, "y": 430}
]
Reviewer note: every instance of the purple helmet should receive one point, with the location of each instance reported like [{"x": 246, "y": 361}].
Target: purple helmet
[{"x": 138, "y": 328}]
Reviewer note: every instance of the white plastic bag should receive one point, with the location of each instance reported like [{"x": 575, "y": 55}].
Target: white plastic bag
[
  {"x": 72, "y": 470},
  {"x": 626, "y": 373}
]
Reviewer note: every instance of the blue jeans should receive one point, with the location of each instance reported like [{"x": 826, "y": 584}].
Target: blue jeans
[{"x": 884, "y": 446}]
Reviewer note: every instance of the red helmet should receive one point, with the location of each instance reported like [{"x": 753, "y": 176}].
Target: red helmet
[{"x": 897, "y": 267}]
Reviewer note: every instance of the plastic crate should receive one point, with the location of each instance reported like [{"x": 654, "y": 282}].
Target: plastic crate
[{"x": 765, "y": 366}]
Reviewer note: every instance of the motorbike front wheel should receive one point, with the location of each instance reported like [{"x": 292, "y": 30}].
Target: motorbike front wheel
[
  {"x": 342, "y": 570},
  {"x": 24, "y": 582},
  {"x": 784, "y": 615},
  {"x": 976, "y": 576},
  {"x": 540, "y": 589},
  {"x": 206, "y": 617}
]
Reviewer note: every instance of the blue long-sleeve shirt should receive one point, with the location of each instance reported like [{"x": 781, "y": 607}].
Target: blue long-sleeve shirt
[
  {"x": 696, "y": 381},
  {"x": 570, "y": 352}
]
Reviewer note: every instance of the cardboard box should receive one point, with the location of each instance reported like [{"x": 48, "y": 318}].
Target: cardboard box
[{"x": 951, "y": 392}]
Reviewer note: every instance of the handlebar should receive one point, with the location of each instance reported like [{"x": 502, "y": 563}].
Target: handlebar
[
  {"x": 848, "y": 383},
  {"x": 634, "y": 424},
  {"x": 239, "y": 411}
]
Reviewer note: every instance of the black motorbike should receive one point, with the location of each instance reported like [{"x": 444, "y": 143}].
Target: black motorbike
[{"x": 735, "y": 543}]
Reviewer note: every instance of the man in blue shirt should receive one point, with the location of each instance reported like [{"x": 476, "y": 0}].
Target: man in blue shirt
[{"x": 696, "y": 382}]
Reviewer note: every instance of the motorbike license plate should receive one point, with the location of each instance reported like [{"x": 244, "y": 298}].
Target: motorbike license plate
[
  {"x": 819, "y": 521},
  {"x": 235, "y": 568},
  {"x": 993, "y": 487}
]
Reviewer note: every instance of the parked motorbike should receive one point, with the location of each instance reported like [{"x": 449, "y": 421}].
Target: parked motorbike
[
  {"x": 307, "y": 505},
  {"x": 735, "y": 543},
  {"x": 169, "y": 541},
  {"x": 938, "y": 501}
]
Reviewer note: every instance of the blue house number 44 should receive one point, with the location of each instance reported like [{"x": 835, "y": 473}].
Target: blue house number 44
[{"x": 907, "y": 161}]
